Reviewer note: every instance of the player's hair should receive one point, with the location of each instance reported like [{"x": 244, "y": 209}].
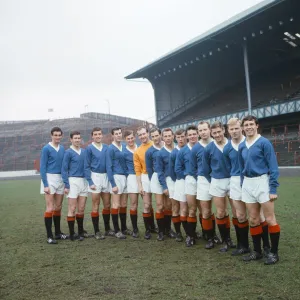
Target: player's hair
[
  {"x": 180, "y": 131},
  {"x": 204, "y": 122},
  {"x": 75, "y": 132},
  {"x": 96, "y": 129},
  {"x": 167, "y": 129},
  {"x": 191, "y": 127},
  {"x": 153, "y": 129},
  {"x": 127, "y": 133},
  {"x": 234, "y": 121},
  {"x": 250, "y": 118},
  {"x": 56, "y": 129},
  {"x": 216, "y": 125},
  {"x": 142, "y": 127},
  {"x": 115, "y": 129}
]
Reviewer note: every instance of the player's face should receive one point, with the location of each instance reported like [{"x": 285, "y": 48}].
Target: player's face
[
  {"x": 235, "y": 131},
  {"x": 250, "y": 128},
  {"x": 76, "y": 140},
  {"x": 143, "y": 135},
  {"x": 192, "y": 136},
  {"x": 97, "y": 137},
  {"x": 156, "y": 137},
  {"x": 56, "y": 137},
  {"x": 181, "y": 139},
  {"x": 204, "y": 131},
  {"x": 168, "y": 138},
  {"x": 130, "y": 141},
  {"x": 218, "y": 134},
  {"x": 117, "y": 135}
]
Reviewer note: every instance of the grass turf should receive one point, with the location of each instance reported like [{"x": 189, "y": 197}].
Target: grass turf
[{"x": 134, "y": 269}]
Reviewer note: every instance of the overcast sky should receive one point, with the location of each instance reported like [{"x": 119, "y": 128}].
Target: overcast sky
[{"x": 66, "y": 54}]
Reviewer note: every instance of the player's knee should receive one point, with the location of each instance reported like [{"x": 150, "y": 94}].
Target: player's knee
[
  {"x": 242, "y": 217},
  {"x": 254, "y": 221},
  {"x": 271, "y": 220},
  {"x": 206, "y": 213},
  {"x": 221, "y": 213}
]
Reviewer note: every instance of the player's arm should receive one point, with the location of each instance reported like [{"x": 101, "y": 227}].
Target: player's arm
[
  {"x": 271, "y": 160},
  {"x": 160, "y": 171},
  {"x": 149, "y": 163},
  {"x": 65, "y": 170},
  {"x": 43, "y": 166},
  {"x": 178, "y": 166},
  {"x": 227, "y": 158},
  {"x": 193, "y": 162},
  {"x": 87, "y": 166},
  {"x": 109, "y": 167},
  {"x": 172, "y": 165},
  {"x": 206, "y": 164},
  {"x": 241, "y": 163}
]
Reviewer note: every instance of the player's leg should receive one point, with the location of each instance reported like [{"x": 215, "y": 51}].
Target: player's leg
[
  {"x": 116, "y": 201},
  {"x": 72, "y": 205},
  {"x": 123, "y": 214},
  {"x": 168, "y": 217},
  {"x": 207, "y": 222},
  {"x": 265, "y": 234},
  {"x": 242, "y": 228},
  {"x": 200, "y": 234},
  {"x": 159, "y": 216},
  {"x": 184, "y": 211},
  {"x": 95, "y": 215},
  {"x": 58, "y": 200},
  {"x": 176, "y": 219},
  {"x": 255, "y": 231},
  {"x": 49, "y": 199},
  {"x": 234, "y": 220},
  {"x": 191, "y": 220},
  {"x": 147, "y": 214},
  {"x": 274, "y": 231},
  {"x": 80, "y": 214},
  {"x": 133, "y": 213},
  {"x": 106, "y": 200}
]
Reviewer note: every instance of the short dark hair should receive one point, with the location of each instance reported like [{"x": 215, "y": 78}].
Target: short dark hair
[
  {"x": 142, "y": 127},
  {"x": 167, "y": 129},
  {"x": 191, "y": 127},
  {"x": 115, "y": 129},
  {"x": 56, "y": 129},
  {"x": 127, "y": 133},
  {"x": 96, "y": 129},
  {"x": 217, "y": 124},
  {"x": 153, "y": 129},
  {"x": 180, "y": 131},
  {"x": 204, "y": 122},
  {"x": 75, "y": 132},
  {"x": 250, "y": 118}
]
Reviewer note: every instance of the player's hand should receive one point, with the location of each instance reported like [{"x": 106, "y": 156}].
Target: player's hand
[
  {"x": 67, "y": 191},
  {"x": 93, "y": 187},
  {"x": 166, "y": 192},
  {"x": 46, "y": 190},
  {"x": 115, "y": 190},
  {"x": 142, "y": 192},
  {"x": 273, "y": 197}
]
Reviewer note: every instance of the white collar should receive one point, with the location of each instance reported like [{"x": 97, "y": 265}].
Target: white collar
[
  {"x": 204, "y": 145},
  {"x": 56, "y": 148},
  {"x": 190, "y": 147},
  {"x": 167, "y": 149},
  {"x": 177, "y": 147},
  {"x": 220, "y": 148},
  {"x": 156, "y": 147},
  {"x": 132, "y": 151},
  {"x": 119, "y": 148},
  {"x": 74, "y": 149},
  {"x": 236, "y": 146},
  {"x": 98, "y": 148},
  {"x": 248, "y": 145}
]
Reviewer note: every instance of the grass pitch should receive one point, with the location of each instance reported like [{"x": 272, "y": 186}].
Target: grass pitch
[{"x": 134, "y": 269}]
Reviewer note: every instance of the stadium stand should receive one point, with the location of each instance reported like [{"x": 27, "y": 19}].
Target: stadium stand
[{"x": 22, "y": 141}]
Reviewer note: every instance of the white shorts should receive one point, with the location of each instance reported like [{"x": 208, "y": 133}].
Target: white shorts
[
  {"x": 120, "y": 181},
  {"x": 219, "y": 187},
  {"x": 101, "y": 182},
  {"x": 78, "y": 187},
  {"x": 179, "y": 193},
  {"x": 171, "y": 186},
  {"x": 155, "y": 186},
  {"x": 256, "y": 190},
  {"x": 235, "y": 188},
  {"x": 55, "y": 184},
  {"x": 190, "y": 185},
  {"x": 146, "y": 183},
  {"x": 131, "y": 185},
  {"x": 203, "y": 189}
]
